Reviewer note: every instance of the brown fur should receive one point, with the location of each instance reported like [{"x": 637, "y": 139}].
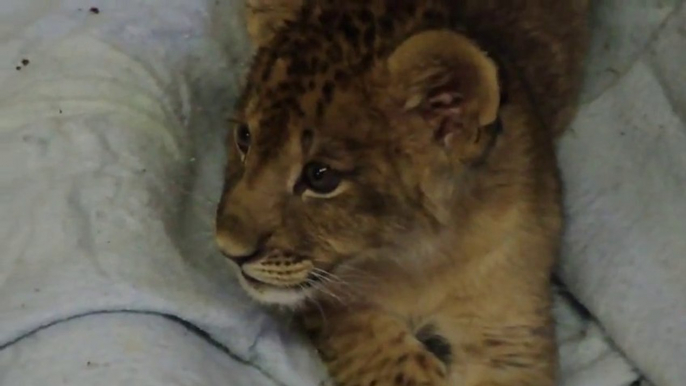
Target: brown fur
[{"x": 430, "y": 263}]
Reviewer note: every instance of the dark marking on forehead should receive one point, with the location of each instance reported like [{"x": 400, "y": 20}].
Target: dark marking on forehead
[
  {"x": 327, "y": 46},
  {"x": 306, "y": 140},
  {"x": 386, "y": 25},
  {"x": 365, "y": 15},
  {"x": 314, "y": 63},
  {"x": 327, "y": 91},
  {"x": 340, "y": 76},
  {"x": 369, "y": 34},
  {"x": 334, "y": 52},
  {"x": 328, "y": 17},
  {"x": 408, "y": 7},
  {"x": 434, "y": 16},
  {"x": 366, "y": 61},
  {"x": 273, "y": 132},
  {"x": 297, "y": 67},
  {"x": 320, "y": 109},
  {"x": 349, "y": 29},
  {"x": 268, "y": 66}
]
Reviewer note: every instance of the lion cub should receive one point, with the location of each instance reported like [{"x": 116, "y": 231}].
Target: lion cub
[{"x": 392, "y": 179}]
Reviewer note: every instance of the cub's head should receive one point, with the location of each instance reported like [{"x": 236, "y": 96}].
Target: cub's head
[{"x": 343, "y": 152}]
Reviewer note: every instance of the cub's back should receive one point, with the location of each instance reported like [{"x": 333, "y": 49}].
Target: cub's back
[{"x": 541, "y": 41}]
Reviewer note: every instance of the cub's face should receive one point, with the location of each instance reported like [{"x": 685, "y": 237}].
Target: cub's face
[
  {"x": 305, "y": 199},
  {"x": 328, "y": 172}
]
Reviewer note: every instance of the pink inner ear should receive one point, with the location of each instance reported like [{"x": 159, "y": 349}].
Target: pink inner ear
[
  {"x": 445, "y": 104},
  {"x": 445, "y": 99},
  {"x": 447, "y": 110}
]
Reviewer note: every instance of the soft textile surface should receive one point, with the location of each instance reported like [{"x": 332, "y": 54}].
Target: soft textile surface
[
  {"x": 624, "y": 165},
  {"x": 110, "y": 148}
]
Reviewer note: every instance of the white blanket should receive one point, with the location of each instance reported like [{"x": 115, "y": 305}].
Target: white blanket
[
  {"x": 111, "y": 127},
  {"x": 624, "y": 166}
]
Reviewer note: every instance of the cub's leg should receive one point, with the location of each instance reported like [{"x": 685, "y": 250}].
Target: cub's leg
[
  {"x": 368, "y": 348},
  {"x": 500, "y": 349}
]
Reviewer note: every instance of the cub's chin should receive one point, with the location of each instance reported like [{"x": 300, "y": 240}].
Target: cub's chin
[{"x": 269, "y": 294}]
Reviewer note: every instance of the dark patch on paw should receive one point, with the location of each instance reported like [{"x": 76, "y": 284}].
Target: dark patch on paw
[{"x": 435, "y": 343}]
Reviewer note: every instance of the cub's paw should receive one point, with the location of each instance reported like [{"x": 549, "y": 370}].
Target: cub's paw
[
  {"x": 388, "y": 369},
  {"x": 368, "y": 348}
]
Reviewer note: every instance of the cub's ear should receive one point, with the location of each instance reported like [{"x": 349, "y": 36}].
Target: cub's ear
[
  {"x": 451, "y": 83},
  {"x": 265, "y": 17}
]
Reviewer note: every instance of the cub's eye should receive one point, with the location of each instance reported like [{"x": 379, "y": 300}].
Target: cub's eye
[
  {"x": 242, "y": 134},
  {"x": 320, "y": 178}
]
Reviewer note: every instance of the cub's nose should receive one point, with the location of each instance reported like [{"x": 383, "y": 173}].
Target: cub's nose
[
  {"x": 240, "y": 253},
  {"x": 240, "y": 250}
]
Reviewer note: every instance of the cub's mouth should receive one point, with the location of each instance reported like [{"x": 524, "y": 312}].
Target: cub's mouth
[
  {"x": 278, "y": 279},
  {"x": 270, "y": 294},
  {"x": 259, "y": 284}
]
